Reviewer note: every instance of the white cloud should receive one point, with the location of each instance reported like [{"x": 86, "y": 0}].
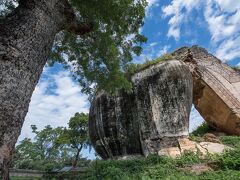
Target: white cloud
[
  {"x": 163, "y": 51},
  {"x": 178, "y": 10},
  {"x": 152, "y": 2},
  {"x": 229, "y": 49},
  {"x": 221, "y": 24},
  {"x": 153, "y": 44},
  {"x": 228, "y": 5},
  {"x": 223, "y": 18},
  {"x": 55, "y": 99}
]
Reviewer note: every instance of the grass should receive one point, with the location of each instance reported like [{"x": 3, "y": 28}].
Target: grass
[
  {"x": 132, "y": 69},
  {"x": 155, "y": 167},
  {"x": 225, "y": 166}
]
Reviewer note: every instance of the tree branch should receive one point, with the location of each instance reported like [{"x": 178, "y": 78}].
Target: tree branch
[{"x": 80, "y": 28}]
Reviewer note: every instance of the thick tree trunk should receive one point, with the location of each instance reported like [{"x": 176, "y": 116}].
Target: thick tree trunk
[{"x": 26, "y": 38}]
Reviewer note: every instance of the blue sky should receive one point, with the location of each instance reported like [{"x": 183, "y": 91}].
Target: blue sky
[{"x": 169, "y": 24}]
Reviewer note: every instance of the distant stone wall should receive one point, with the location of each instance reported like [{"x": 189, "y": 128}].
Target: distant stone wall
[{"x": 26, "y": 173}]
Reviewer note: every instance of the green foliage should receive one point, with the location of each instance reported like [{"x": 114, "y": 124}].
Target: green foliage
[
  {"x": 6, "y": 7},
  {"x": 42, "y": 153},
  {"x": 131, "y": 68},
  {"x": 155, "y": 167},
  {"x": 100, "y": 56},
  {"x": 76, "y": 135},
  {"x": 229, "y": 160},
  {"x": 226, "y": 166},
  {"x": 233, "y": 141},
  {"x": 189, "y": 158},
  {"x": 129, "y": 169},
  {"x": 25, "y": 178},
  {"x": 53, "y": 148},
  {"x": 236, "y": 68},
  {"x": 201, "y": 130}
]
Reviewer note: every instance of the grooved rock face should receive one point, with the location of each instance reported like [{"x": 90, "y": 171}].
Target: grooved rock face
[
  {"x": 113, "y": 125},
  {"x": 154, "y": 116},
  {"x": 164, "y": 99}
]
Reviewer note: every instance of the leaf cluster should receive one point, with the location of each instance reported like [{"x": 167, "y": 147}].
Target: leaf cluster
[{"x": 99, "y": 57}]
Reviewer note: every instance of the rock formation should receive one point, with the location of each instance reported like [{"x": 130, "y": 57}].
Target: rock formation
[
  {"x": 113, "y": 128},
  {"x": 185, "y": 145},
  {"x": 164, "y": 99},
  {"x": 154, "y": 116},
  {"x": 216, "y": 92}
]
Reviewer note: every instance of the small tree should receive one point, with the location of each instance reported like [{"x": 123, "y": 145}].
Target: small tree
[{"x": 76, "y": 136}]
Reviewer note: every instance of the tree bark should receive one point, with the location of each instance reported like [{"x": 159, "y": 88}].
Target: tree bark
[
  {"x": 77, "y": 156},
  {"x": 26, "y": 39}
]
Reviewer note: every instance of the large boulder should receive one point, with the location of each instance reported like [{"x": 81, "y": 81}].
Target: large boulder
[
  {"x": 113, "y": 127},
  {"x": 154, "y": 116},
  {"x": 164, "y": 100}
]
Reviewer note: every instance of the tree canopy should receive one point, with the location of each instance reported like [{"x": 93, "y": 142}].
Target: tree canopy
[
  {"x": 54, "y": 148},
  {"x": 99, "y": 57},
  {"x": 76, "y": 135}
]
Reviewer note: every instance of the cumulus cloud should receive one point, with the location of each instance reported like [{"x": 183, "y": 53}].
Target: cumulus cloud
[
  {"x": 178, "y": 11},
  {"x": 55, "y": 99},
  {"x": 222, "y": 17},
  {"x": 229, "y": 49}
]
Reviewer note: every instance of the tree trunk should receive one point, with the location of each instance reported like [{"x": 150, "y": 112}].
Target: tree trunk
[
  {"x": 26, "y": 38},
  {"x": 77, "y": 157}
]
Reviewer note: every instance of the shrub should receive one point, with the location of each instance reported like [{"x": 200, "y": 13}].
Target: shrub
[{"x": 202, "y": 129}]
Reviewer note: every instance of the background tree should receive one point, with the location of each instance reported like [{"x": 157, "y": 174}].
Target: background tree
[
  {"x": 42, "y": 153},
  {"x": 96, "y": 38},
  {"x": 76, "y": 136},
  {"x": 54, "y": 148}
]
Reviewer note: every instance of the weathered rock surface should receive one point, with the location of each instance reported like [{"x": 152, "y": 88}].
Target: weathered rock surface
[
  {"x": 154, "y": 116},
  {"x": 113, "y": 128},
  {"x": 164, "y": 99},
  {"x": 185, "y": 145},
  {"x": 216, "y": 92}
]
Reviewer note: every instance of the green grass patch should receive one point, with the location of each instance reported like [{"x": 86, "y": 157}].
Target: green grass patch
[
  {"x": 202, "y": 129},
  {"x": 132, "y": 69},
  {"x": 226, "y": 166}
]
